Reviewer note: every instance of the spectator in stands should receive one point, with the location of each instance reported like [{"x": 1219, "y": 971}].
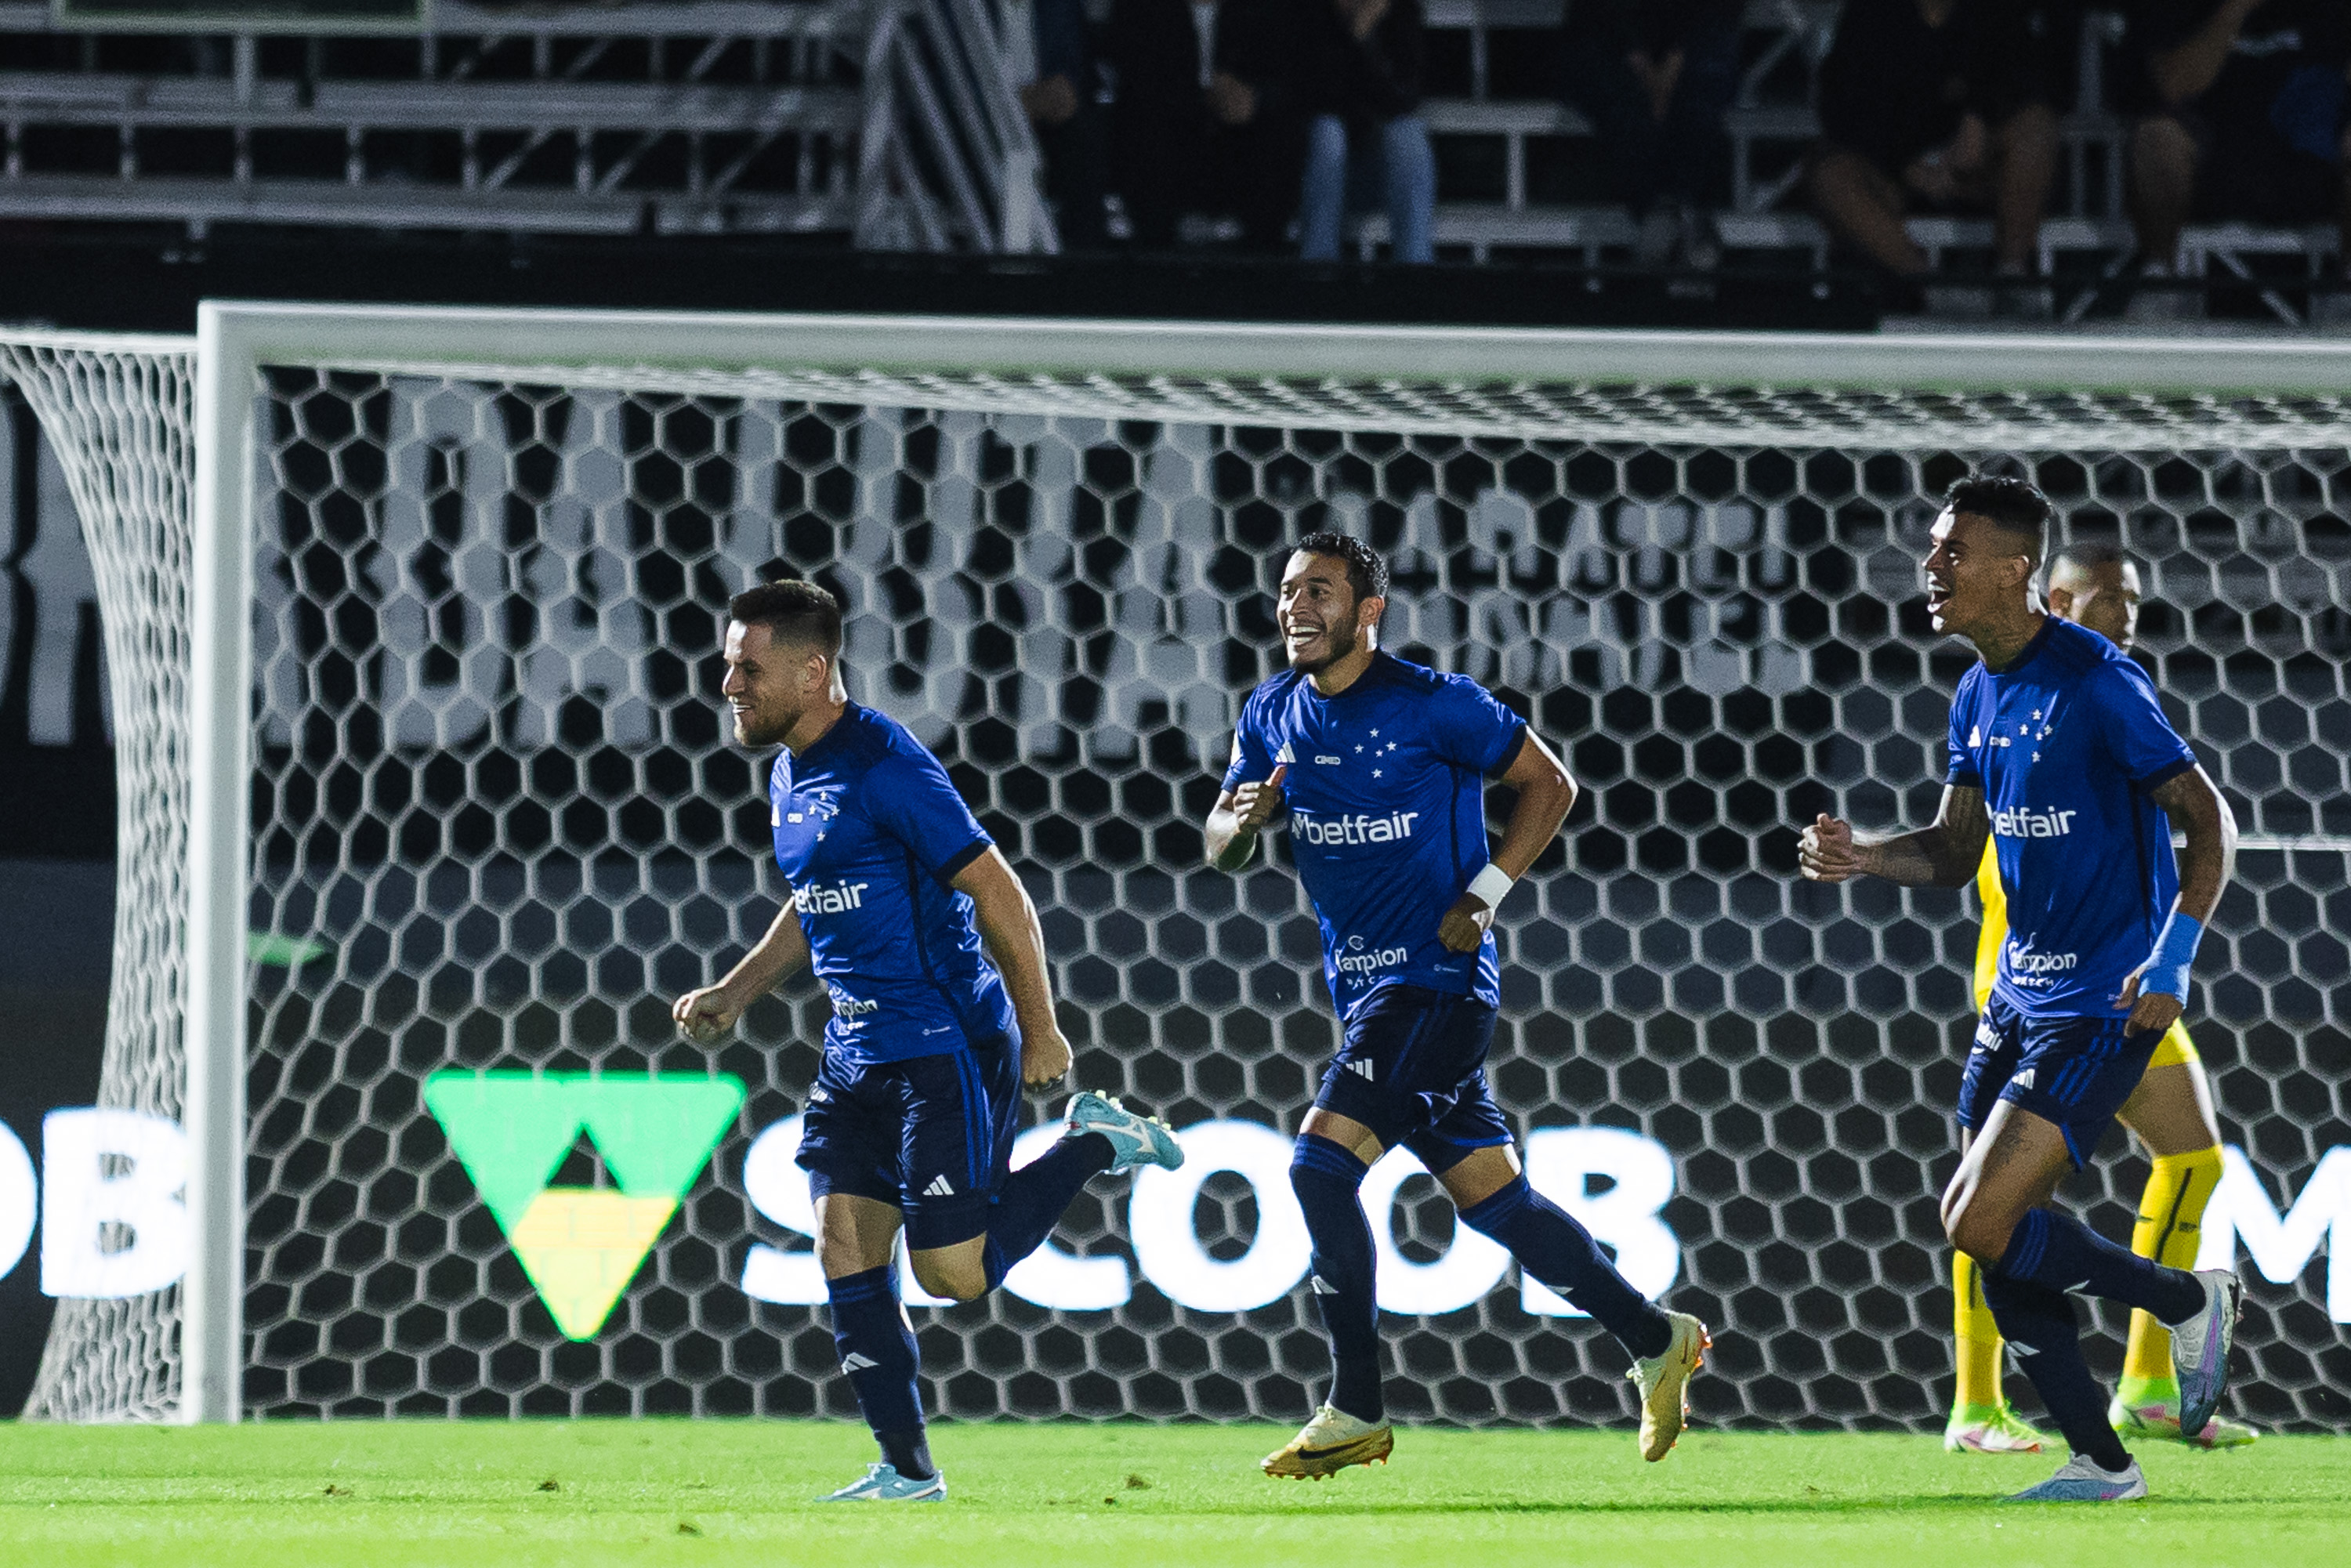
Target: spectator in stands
[
  {"x": 1938, "y": 105},
  {"x": 1159, "y": 127},
  {"x": 1359, "y": 83},
  {"x": 1654, "y": 76},
  {"x": 1207, "y": 116},
  {"x": 1060, "y": 102},
  {"x": 2244, "y": 118}
]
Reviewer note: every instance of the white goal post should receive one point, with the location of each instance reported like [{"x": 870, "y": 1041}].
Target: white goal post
[{"x": 1561, "y": 394}]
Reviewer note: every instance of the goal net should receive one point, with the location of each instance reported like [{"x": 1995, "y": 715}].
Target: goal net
[{"x": 464, "y": 819}]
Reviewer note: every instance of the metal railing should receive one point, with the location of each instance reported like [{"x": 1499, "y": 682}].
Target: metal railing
[{"x": 881, "y": 119}]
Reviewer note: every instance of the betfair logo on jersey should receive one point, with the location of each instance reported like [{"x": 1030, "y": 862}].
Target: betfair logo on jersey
[
  {"x": 580, "y": 1245},
  {"x": 839, "y": 899},
  {"x": 1359, "y": 828},
  {"x": 2023, "y": 823}
]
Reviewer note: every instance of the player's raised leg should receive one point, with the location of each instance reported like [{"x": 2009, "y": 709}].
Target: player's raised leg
[
  {"x": 2171, "y": 1113},
  {"x": 2034, "y": 1256},
  {"x": 1493, "y": 1195}
]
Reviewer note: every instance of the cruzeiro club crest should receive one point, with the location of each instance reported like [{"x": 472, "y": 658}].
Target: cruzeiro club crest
[{"x": 581, "y": 1245}]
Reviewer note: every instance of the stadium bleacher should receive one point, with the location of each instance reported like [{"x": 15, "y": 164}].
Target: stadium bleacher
[{"x": 738, "y": 116}]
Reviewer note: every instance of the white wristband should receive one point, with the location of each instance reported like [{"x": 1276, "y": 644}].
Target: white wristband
[{"x": 1492, "y": 884}]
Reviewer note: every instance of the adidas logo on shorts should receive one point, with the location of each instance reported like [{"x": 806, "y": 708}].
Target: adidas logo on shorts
[
  {"x": 853, "y": 1362},
  {"x": 1361, "y": 1069},
  {"x": 938, "y": 1188}
]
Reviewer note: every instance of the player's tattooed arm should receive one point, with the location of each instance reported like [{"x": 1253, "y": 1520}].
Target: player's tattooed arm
[
  {"x": 1239, "y": 814},
  {"x": 2210, "y": 857},
  {"x": 705, "y": 1015},
  {"x": 1943, "y": 854},
  {"x": 1008, "y": 924},
  {"x": 2207, "y": 862},
  {"x": 1546, "y": 794}
]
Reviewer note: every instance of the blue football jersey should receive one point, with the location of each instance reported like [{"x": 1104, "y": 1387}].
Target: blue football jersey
[
  {"x": 871, "y": 833},
  {"x": 2065, "y": 744},
  {"x": 1387, "y": 815}
]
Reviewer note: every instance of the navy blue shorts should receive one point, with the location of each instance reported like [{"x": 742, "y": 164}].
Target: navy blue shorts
[
  {"x": 1412, "y": 1067},
  {"x": 2073, "y": 1071},
  {"x": 932, "y": 1135}
]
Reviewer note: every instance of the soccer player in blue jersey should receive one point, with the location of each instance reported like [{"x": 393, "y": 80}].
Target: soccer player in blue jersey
[
  {"x": 2060, "y": 752},
  {"x": 1381, "y": 766},
  {"x": 942, "y": 1009}
]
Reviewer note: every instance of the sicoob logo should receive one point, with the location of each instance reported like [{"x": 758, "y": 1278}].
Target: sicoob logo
[{"x": 579, "y": 1244}]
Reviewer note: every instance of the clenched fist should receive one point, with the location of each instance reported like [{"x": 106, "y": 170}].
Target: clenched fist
[
  {"x": 1826, "y": 852},
  {"x": 704, "y": 1016},
  {"x": 1254, "y": 805}
]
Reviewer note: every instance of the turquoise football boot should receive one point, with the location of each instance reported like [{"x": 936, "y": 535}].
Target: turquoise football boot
[
  {"x": 1133, "y": 1140},
  {"x": 882, "y": 1483}
]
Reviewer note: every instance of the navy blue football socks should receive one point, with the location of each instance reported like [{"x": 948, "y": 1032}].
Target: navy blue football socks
[
  {"x": 877, "y": 1352},
  {"x": 2039, "y": 1324},
  {"x": 2059, "y": 1252},
  {"x": 1326, "y": 1180},
  {"x": 1034, "y": 1197},
  {"x": 1550, "y": 1245}
]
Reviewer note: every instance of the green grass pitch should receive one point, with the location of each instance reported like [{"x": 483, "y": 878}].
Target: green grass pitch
[{"x": 290, "y": 1495}]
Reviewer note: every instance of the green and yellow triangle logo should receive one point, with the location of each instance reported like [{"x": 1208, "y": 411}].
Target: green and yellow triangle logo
[{"x": 581, "y": 1245}]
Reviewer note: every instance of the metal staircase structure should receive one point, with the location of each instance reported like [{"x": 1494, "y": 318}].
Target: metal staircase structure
[{"x": 886, "y": 122}]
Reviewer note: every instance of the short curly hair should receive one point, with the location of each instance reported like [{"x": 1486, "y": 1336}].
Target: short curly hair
[{"x": 1367, "y": 569}]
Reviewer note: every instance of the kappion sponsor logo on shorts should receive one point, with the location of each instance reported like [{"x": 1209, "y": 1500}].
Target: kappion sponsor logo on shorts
[
  {"x": 838, "y": 899},
  {"x": 2023, "y": 823},
  {"x": 1359, "y": 828}
]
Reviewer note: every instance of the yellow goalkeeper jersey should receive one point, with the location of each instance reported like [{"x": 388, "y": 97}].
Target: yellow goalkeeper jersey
[{"x": 2173, "y": 1051}]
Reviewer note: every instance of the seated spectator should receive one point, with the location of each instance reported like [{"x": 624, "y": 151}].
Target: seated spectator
[
  {"x": 1654, "y": 77},
  {"x": 1159, "y": 124},
  {"x": 1937, "y": 105},
  {"x": 1206, "y": 118},
  {"x": 2244, "y": 118},
  {"x": 1359, "y": 83},
  {"x": 1060, "y": 104}
]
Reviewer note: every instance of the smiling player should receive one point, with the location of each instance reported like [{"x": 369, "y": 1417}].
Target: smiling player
[
  {"x": 2060, "y": 752},
  {"x": 2171, "y": 1111},
  {"x": 900, "y": 902},
  {"x": 1382, "y": 767}
]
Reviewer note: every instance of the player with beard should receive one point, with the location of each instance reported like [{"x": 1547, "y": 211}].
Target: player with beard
[
  {"x": 2060, "y": 753},
  {"x": 1381, "y": 766},
  {"x": 2098, "y": 586},
  {"x": 932, "y": 953}
]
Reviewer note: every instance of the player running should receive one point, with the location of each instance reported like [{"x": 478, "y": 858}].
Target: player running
[
  {"x": 2098, "y": 586},
  {"x": 1381, "y": 764},
  {"x": 911, "y": 1119},
  {"x": 2060, "y": 752}
]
